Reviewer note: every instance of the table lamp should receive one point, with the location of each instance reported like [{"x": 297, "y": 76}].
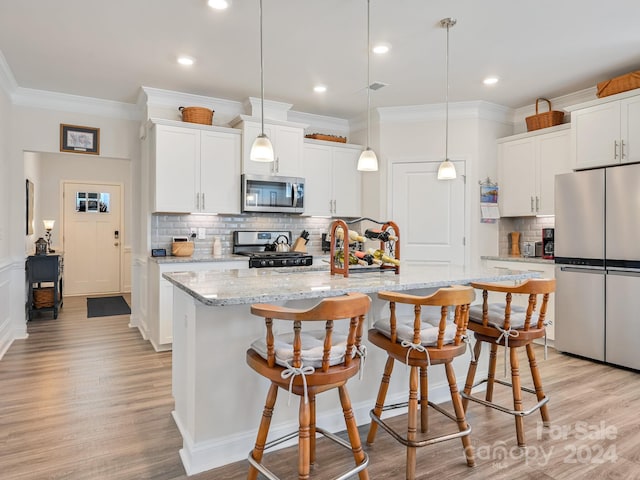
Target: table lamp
[{"x": 48, "y": 226}]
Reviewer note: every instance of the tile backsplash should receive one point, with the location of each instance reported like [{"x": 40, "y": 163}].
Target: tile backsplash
[
  {"x": 530, "y": 229},
  {"x": 165, "y": 226}
]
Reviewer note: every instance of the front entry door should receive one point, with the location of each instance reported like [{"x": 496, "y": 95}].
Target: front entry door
[
  {"x": 429, "y": 212},
  {"x": 92, "y": 238}
]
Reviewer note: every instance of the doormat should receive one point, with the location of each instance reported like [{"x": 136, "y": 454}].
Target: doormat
[{"x": 107, "y": 306}]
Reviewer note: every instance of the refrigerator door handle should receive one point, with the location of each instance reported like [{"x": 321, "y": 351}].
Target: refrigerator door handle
[
  {"x": 624, "y": 273},
  {"x": 583, "y": 270}
]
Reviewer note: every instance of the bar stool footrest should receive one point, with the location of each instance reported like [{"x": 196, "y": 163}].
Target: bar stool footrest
[
  {"x": 520, "y": 413},
  {"x": 418, "y": 443},
  {"x": 343, "y": 443}
]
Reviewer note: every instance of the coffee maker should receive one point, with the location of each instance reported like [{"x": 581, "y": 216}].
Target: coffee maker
[{"x": 547, "y": 242}]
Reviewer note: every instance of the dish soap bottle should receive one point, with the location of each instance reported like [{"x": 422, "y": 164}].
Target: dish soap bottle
[{"x": 217, "y": 247}]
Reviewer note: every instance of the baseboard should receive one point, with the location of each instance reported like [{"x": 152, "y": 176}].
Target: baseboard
[{"x": 203, "y": 456}]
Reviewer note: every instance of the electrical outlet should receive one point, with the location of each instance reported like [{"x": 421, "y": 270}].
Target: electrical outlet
[
  {"x": 201, "y": 233},
  {"x": 193, "y": 231}
]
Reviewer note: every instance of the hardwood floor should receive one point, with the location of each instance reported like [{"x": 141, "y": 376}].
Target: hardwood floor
[{"x": 90, "y": 399}]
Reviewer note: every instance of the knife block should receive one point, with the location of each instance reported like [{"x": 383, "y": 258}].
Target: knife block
[
  {"x": 299, "y": 245},
  {"x": 515, "y": 244}
]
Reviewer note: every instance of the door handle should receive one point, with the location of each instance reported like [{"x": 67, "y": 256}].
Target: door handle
[
  {"x": 537, "y": 203},
  {"x": 116, "y": 244},
  {"x": 531, "y": 203},
  {"x": 203, "y": 207},
  {"x": 622, "y": 149},
  {"x": 615, "y": 149}
]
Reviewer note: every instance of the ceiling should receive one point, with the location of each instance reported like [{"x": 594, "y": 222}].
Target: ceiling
[{"x": 109, "y": 49}]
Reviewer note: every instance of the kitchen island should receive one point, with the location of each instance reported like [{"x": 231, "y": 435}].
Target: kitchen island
[{"x": 219, "y": 399}]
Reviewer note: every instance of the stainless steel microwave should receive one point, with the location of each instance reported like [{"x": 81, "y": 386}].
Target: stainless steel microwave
[{"x": 264, "y": 193}]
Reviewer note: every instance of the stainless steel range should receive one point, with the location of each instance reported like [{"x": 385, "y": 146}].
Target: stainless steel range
[{"x": 266, "y": 248}]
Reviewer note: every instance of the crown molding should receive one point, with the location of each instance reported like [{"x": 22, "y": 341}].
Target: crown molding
[
  {"x": 437, "y": 111},
  {"x": 168, "y": 98},
  {"x": 64, "y": 102},
  {"x": 321, "y": 122},
  {"x": 7, "y": 80}
]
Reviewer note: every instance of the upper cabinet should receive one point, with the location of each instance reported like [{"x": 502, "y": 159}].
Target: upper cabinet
[
  {"x": 607, "y": 133},
  {"x": 527, "y": 166},
  {"x": 333, "y": 182},
  {"x": 287, "y": 141},
  {"x": 194, "y": 169}
]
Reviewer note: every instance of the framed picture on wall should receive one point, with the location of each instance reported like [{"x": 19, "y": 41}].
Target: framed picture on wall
[
  {"x": 29, "y": 196},
  {"x": 76, "y": 139}
]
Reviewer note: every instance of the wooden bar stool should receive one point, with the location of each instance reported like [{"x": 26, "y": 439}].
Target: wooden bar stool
[
  {"x": 512, "y": 327},
  {"x": 308, "y": 363},
  {"x": 428, "y": 338}
]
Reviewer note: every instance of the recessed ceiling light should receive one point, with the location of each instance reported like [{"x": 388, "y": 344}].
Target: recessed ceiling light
[
  {"x": 218, "y": 4},
  {"x": 319, "y": 89},
  {"x": 381, "y": 48},
  {"x": 490, "y": 80},
  {"x": 184, "y": 60}
]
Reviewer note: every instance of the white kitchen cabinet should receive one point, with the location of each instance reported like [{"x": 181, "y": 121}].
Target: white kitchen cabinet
[
  {"x": 527, "y": 166},
  {"x": 287, "y": 141},
  {"x": 160, "y": 307},
  {"x": 332, "y": 180},
  {"x": 607, "y": 133},
  {"x": 195, "y": 169},
  {"x": 546, "y": 270}
]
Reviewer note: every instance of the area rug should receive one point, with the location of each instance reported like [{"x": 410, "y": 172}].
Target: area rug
[{"x": 107, "y": 306}]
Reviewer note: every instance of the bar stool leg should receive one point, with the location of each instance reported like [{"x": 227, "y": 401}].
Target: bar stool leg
[
  {"x": 263, "y": 431},
  {"x": 471, "y": 374},
  {"x": 517, "y": 394},
  {"x": 460, "y": 417},
  {"x": 352, "y": 430},
  {"x": 492, "y": 372},
  {"x": 382, "y": 395},
  {"x": 412, "y": 427},
  {"x": 424, "y": 400},
  {"x": 303, "y": 440},
  {"x": 312, "y": 429},
  {"x": 537, "y": 382}
]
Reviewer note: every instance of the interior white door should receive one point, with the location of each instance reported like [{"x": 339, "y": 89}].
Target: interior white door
[
  {"x": 429, "y": 212},
  {"x": 92, "y": 238}
]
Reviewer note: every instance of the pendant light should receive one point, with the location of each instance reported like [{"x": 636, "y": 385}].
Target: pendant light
[
  {"x": 261, "y": 150},
  {"x": 368, "y": 162},
  {"x": 447, "y": 170}
]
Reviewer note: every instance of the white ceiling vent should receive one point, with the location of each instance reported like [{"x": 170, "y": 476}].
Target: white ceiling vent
[{"x": 377, "y": 85}]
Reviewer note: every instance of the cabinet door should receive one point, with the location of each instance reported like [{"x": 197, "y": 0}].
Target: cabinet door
[
  {"x": 317, "y": 171},
  {"x": 596, "y": 135},
  {"x": 220, "y": 172},
  {"x": 250, "y": 131},
  {"x": 517, "y": 178},
  {"x": 630, "y": 124},
  {"x": 177, "y": 154},
  {"x": 288, "y": 150},
  {"x": 553, "y": 158},
  {"x": 346, "y": 182}
]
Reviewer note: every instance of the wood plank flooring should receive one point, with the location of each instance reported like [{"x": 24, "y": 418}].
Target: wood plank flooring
[{"x": 90, "y": 399}]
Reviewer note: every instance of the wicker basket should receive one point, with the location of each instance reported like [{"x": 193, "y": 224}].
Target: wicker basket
[
  {"x": 197, "y": 115},
  {"x": 329, "y": 138},
  {"x": 182, "y": 249},
  {"x": 43, "y": 297},
  {"x": 544, "y": 120},
  {"x": 619, "y": 84}
]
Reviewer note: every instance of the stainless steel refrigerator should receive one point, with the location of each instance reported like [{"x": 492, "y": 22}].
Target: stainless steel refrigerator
[{"x": 597, "y": 252}]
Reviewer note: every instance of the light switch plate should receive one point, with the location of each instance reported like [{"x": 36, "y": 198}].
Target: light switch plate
[{"x": 201, "y": 233}]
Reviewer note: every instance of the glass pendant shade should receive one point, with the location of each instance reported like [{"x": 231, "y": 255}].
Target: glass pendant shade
[
  {"x": 261, "y": 150},
  {"x": 368, "y": 162},
  {"x": 446, "y": 170}
]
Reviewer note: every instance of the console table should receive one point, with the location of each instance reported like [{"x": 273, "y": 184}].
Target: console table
[{"x": 44, "y": 277}]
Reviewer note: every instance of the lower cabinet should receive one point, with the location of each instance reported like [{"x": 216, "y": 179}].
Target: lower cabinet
[
  {"x": 546, "y": 270},
  {"x": 160, "y": 309}
]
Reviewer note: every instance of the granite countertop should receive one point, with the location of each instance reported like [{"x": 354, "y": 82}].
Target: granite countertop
[
  {"x": 513, "y": 258},
  {"x": 198, "y": 258},
  {"x": 256, "y": 285}
]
